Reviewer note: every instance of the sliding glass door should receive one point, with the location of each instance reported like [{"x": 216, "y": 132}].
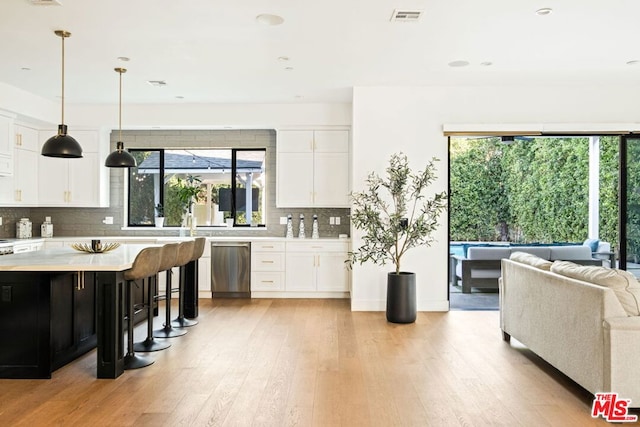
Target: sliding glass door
[{"x": 629, "y": 199}]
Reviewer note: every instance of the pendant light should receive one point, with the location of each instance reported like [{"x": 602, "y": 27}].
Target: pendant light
[
  {"x": 62, "y": 145},
  {"x": 120, "y": 158}
]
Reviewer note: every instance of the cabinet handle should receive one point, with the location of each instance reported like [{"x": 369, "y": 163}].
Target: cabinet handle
[
  {"x": 267, "y": 262},
  {"x": 267, "y": 281},
  {"x": 19, "y": 139},
  {"x": 80, "y": 281},
  {"x": 268, "y": 247},
  {"x": 318, "y": 260}
]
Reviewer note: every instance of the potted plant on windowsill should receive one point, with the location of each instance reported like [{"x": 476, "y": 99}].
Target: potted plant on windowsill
[
  {"x": 189, "y": 192},
  {"x": 159, "y": 219},
  {"x": 396, "y": 215}
]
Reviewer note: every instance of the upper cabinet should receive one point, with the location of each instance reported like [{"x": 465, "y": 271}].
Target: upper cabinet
[
  {"x": 25, "y": 178},
  {"x": 6, "y": 146},
  {"x": 73, "y": 182},
  {"x": 312, "y": 168}
]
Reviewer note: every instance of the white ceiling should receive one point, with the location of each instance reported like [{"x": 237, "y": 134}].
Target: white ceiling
[{"x": 215, "y": 51}]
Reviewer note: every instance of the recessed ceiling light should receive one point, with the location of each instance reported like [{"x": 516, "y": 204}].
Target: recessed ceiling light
[
  {"x": 633, "y": 62},
  {"x": 157, "y": 83},
  {"x": 283, "y": 58},
  {"x": 25, "y": 69},
  {"x": 544, "y": 11},
  {"x": 298, "y": 97},
  {"x": 486, "y": 63},
  {"x": 288, "y": 68},
  {"x": 123, "y": 59},
  {"x": 268, "y": 19},
  {"x": 458, "y": 63},
  {"x": 179, "y": 97}
]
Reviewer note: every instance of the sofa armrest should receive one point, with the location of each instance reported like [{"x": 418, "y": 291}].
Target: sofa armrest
[
  {"x": 478, "y": 264},
  {"x": 602, "y": 254},
  {"x": 622, "y": 360}
]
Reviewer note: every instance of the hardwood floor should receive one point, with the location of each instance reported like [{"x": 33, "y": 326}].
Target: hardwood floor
[{"x": 312, "y": 363}]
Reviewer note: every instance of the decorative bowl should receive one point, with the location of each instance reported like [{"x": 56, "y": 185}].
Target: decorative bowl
[{"x": 86, "y": 247}]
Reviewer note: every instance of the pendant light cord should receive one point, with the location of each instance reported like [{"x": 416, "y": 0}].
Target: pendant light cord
[
  {"x": 62, "y": 37},
  {"x": 120, "y": 109}
]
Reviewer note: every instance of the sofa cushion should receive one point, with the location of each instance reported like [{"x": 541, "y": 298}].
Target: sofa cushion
[
  {"x": 624, "y": 284},
  {"x": 592, "y": 244},
  {"x": 569, "y": 253},
  {"x": 488, "y": 253},
  {"x": 529, "y": 259},
  {"x": 539, "y": 251}
]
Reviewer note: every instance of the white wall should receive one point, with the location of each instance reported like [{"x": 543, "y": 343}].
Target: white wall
[{"x": 411, "y": 119}]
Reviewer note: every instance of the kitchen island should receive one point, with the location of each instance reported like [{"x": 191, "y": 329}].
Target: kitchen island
[{"x": 57, "y": 304}]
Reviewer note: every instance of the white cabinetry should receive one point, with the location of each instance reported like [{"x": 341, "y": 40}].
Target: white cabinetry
[
  {"x": 204, "y": 269},
  {"x": 316, "y": 266},
  {"x": 312, "y": 168},
  {"x": 25, "y": 178},
  {"x": 267, "y": 266},
  {"x": 72, "y": 182},
  {"x": 6, "y": 146}
]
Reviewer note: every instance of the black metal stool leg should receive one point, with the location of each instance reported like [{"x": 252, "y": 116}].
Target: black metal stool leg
[
  {"x": 150, "y": 344},
  {"x": 131, "y": 359},
  {"x": 167, "y": 331},
  {"x": 181, "y": 321}
]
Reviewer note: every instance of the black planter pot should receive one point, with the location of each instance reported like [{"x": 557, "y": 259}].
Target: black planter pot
[{"x": 401, "y": 297}]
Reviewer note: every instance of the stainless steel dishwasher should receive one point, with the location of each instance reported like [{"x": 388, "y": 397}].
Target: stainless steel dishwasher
[{"x": 231, "y": 269}]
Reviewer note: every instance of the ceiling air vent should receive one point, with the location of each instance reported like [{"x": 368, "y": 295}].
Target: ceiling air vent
[
  {"x": 404, "y": 15},
  {"x": 157, "y": 83},
  {"x": 46, "y": 2}
]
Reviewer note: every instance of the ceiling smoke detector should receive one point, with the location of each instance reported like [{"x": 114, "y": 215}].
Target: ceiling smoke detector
[
  {"x": 46, "y": 2},
  {"x": 404, "y": 15}
]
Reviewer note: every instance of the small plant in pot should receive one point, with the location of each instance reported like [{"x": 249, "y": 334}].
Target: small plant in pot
[
  {"x": 396, "y": 215},
  {"x": 159, "y": 219}
]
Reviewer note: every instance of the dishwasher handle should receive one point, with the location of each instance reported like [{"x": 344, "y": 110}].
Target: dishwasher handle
[{"x": 232, "y": 244}]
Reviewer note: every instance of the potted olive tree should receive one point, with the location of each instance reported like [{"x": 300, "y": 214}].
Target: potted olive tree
[{"x": 396, "y": 215}]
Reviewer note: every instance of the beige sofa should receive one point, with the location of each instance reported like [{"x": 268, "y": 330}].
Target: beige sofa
[{"x": 588, "y": 331}]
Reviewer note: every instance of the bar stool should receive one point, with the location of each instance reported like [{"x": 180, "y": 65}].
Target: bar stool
[
  {"x": 198, "y": 248},
  {"x": 144, "y": 265},
  {"x": 171, "y": 261},
  {"x": 166, "y": 259}
]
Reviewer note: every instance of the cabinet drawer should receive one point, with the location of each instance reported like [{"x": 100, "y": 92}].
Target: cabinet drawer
[
  {"x": 267, "y": 281},
  {"x": 266, "y": 261},
  {"x": 317, "y": 246},
  {"x": 267, "y": 246}
]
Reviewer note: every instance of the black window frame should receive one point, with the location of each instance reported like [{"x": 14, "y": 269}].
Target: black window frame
[{"x": 233, "y": 183}]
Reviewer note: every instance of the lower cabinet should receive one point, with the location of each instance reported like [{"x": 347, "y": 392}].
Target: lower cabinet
[
  {"x": 267, "y": 266},
  {"x": 316, "y": 266},
  {"x": 73, "y": 316}
]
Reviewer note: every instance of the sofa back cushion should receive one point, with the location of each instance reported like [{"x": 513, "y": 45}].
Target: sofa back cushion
[
  {"x": 488, "y": 253},
  {"x": 539, "y": 251},
  {"x": 569, "y": 253},
  {"x": 529, "y": 259},
  {"x": 624, "y": 284}
]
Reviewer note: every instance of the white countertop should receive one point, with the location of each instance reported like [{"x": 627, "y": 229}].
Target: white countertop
[{"x": 68, "y": 259}]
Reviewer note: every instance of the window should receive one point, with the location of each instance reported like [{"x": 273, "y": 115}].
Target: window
[{"x": 212, "y": 184}]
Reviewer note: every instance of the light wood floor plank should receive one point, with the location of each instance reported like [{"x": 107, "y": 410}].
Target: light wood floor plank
[{"x": 297, "y": 362}]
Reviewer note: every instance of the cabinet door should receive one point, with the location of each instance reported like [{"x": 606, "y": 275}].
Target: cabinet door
[
  {"x": 25, "y": 179},
  {"x": 6, "y": 145},
  {"x": 300, "y": 272},
  {"x": 53, "y": 186},
  {"x": 295, "y": 141},
  {"x": 73, "y": 317},
  {"x": 331, "y": 272},
  {"x": 204, "y": 274},
  {"x": 83, "y": 181},
  {"x": 295, "y": 179},
  {"x": 331, "y": 180},
  {"x": 85, "y": 323}
]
